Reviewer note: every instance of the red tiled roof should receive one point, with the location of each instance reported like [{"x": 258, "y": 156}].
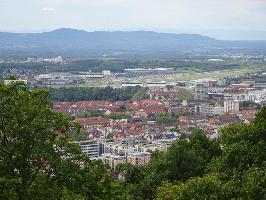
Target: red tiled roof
[{"x": 92, "y": 121}]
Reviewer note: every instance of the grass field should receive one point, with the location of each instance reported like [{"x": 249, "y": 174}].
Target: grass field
[
  {"x": 201, "y": 75},
  {"x": 179, "y": 76}
]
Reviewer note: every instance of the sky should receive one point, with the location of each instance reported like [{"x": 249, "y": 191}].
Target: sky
[{"x": 223, "y": 19}]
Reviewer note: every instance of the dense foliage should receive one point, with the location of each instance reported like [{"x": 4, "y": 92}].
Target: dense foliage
[
  {"x": 107, "y": 93},
  {"x": 164, "y": 118},
  {"x": 37, "y": 164},
  {"x": 246, "y": 104}
]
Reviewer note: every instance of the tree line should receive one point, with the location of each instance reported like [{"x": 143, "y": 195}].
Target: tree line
[{"x": 93, "y": 93}]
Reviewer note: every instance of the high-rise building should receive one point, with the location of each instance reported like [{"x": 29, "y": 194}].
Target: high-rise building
[
  {"x": 201, "y": 91},
  {"x": 231, "y": 106}
]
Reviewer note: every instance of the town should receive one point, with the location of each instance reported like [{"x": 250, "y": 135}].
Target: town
[
  {"x": 164, "y": 102},
  {"x": 120, "y": 132}
]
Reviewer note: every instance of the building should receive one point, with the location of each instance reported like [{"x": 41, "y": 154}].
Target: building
[
  {"x": 159, "y": 145},
  {"x": 119, "y": 148},
  {"x": 59, "y": 79},
  {"x": 93, "y": 122},
  {"x": 206, "y": 109},
  {"x": 139, "y": 158},
  {"x": 231, "y": 106},
  {"x": 218, "y": 110},
  {"x": 106, "y": 73},
  {"x": 58, "y": 59},
  {"x": 260, "y": 85},
  {"x": 201, "y": 91},
  {"x": 162, "y": 84},
  {"x": 93, "y": 149},
  {"x": 113, "y": 160},
  {"x": 8, "y": 82},
  {"x": 148, "y": 71}
]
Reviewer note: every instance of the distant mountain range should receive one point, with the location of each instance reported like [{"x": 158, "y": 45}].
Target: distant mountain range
[{"x": 72, "y": 41}]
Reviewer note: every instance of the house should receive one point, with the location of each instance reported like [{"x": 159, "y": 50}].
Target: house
[
  {"x": 228, "y": 119},
  {"x": 86, "y": 123},
  {"x": 63, "y": 107}
]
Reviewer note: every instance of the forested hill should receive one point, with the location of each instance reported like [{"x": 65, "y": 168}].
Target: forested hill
[
  {"x": 63, "y": 39},
  {"x": 72, "y": 42}
]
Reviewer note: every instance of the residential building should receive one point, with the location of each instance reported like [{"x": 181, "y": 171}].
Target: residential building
[
  {"x": 231, "y": 106},
  {"x": 113, "y": 160},
  {"x": 206, "y": 109},
  {"x": 119, "y": 149},
  {"x": 139, "y": 158}
]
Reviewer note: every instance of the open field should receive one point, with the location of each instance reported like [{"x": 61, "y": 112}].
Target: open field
[
  {"x": 201, "y": 75},
  {"x": 181, "y": 76}
]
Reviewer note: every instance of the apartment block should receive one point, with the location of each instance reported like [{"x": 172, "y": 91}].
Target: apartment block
[{"x": 139, "y": 158}]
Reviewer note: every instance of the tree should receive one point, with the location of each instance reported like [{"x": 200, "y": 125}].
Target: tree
[
  {"x": 164, "y": 118},
  {"x": 34, "y": 162},
  {"x": 182, "y": 161},
  {"x": 254, "y": 183},
  {"x": 208, "y": 187},
  {"x": 203, "y": 147},
  {"x": 243, "y": 147},
  {"x": 241, "y": 166}
]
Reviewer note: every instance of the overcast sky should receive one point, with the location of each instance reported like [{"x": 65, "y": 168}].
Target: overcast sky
[{"x": 203, "y": 16}]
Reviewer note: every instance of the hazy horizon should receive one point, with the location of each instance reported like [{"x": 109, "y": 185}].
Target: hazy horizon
[{"x": 223, "y": 19}]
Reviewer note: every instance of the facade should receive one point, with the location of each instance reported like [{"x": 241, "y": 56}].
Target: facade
[
  {"x": 106, "y": 73},
  {"x": 231, "y": 106},
  {"x": 148, "y": 71},
  {"x": 139, "y": 158},
  {"x": 59, "y": 79},
  {"x": 149, "y": 85},
  {"x": 119, "y": 148},
  {"x": 206, "y": 109},
  {"x": 113, "y": 160},
  {"x": 92, "y": 149},
  {"x": 160, "y": 145},
  {"x": 260, "y": 85},
  {"x": 8, "y": 82},
  {"x": 218, "y": 110},
  {"x": 201, "y": 91}
]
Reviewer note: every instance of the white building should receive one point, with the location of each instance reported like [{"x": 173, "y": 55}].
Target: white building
[
  {"x": 106, "y": 72},
  {"x": 119, "y": 148},
  {"x": 218, "y": 110},
  {"x": 208, "y": 109},
  {"x": 231, "y": 106},
  {"x": 256, "y": 96},
  {"x": 8, "y": 82},
  {"x": 92, "y": 149},
  {"x": 58, "y": 59}
]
